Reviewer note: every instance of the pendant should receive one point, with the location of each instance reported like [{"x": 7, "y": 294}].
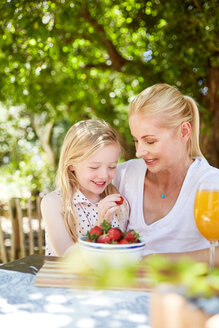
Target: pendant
[{"x": 163, "y": 196}]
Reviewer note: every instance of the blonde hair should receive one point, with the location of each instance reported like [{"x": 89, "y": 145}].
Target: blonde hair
[
  {"x": 173, "y": 108},
  {"x": 81, "y": 141}
]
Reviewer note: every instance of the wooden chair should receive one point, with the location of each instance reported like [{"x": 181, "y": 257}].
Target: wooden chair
[
  {"x": 27, "y": 231},
  {"x": 3, "y": 252}
]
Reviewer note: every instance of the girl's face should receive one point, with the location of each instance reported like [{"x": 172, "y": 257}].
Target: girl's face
[
  {"x": 97, "y": 171},
  {"x": 160, "y": 147}
]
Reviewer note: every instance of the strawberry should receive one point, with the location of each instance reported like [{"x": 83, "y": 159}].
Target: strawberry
[
  {"x": 96, "y": 230},
  {"x": 124, "y": 241},
  {"x": 119, "y": 202},
  {"x": 104, "y": 239},
  {"x": 132, "y": 236},
  {"x": 106, "y": 234},
  {"x": 114, "y": 233}
]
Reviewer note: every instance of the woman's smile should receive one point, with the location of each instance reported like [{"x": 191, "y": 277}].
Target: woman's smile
[{"x": 150, "y": 161}]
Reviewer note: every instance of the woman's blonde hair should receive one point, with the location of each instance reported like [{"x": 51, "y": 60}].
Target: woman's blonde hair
[
  {"x": 81, "y": 141},
  {"x": 173, "y": 109}
]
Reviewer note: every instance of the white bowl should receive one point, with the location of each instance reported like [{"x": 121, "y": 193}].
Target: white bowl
[{"x": 115, "y": 255}]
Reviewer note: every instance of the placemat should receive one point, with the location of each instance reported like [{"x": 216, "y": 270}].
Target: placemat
[{"x": 56, "y": 273}]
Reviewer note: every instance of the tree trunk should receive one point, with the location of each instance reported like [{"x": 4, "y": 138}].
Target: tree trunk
[
  {"x": 43, "y": 132},
  {"x": 211, "y": 142},
  {"x": 213, "y": 91}
]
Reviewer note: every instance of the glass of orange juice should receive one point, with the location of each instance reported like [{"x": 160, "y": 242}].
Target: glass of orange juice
[{"x": 206, "y": 211}]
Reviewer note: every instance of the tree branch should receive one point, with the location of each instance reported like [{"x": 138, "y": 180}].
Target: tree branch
[
  {"x": 197, "y": 5},
  {"x": 44, "y": 135},
  {"x": 117, "y": 60},
  {"x": 99, "y": 65}
]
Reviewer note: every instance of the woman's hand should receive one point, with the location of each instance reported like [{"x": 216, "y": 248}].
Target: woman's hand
[{"x": 107, "y": 207}]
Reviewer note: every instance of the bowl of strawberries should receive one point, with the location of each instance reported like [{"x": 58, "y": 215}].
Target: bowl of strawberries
[{"x": 109, "y": 245}]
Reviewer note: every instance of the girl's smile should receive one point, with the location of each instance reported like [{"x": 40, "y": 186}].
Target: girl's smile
[{"x": 97, "y": 171}]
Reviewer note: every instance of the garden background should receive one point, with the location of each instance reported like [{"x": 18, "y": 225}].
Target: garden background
[{"x": 64, "y": 61}]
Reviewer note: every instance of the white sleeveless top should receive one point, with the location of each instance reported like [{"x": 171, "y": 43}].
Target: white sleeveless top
[{"x": 177, "y": 231}]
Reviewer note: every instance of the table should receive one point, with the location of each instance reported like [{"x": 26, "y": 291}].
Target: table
[
  {"x": 24, "y": 304},
  {"x": 29, "y": 264}
]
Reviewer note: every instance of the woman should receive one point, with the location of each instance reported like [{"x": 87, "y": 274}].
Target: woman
[{"x": 160, "y": 187}]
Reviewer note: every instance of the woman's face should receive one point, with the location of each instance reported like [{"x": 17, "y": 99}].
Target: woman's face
[{"x": 161, "y": 148}]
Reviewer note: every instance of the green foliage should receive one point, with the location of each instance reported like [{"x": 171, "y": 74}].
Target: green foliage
[
  {"x": 115, "y": 277},
  {"x": 88, "y": 58},
  {"x": 31, "y": 177},
  {"x": 69, "y": 60},
  {"x": 23, "y": 165},
  {"x": 194, "y": 277},
  {"x": 190, "y": 277}
]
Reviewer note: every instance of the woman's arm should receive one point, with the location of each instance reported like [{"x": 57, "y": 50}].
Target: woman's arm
[{"x": 52, "y": 213}]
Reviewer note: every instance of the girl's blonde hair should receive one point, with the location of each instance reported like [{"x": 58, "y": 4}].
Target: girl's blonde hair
[
  {"x": 81, "y": 141},
  {"x": 173, "y": 109}
]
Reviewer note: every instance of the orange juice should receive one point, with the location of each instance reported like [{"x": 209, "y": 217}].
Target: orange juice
[{"x": 206, "y": 213}]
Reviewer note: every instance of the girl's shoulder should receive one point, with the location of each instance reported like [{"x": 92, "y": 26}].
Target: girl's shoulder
[{"x": 53, "y": 197}]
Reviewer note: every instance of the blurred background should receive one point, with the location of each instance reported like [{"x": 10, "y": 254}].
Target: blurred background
[{"x": 67, "y": 60}]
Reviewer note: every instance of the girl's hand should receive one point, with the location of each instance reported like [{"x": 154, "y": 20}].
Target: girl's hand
[{"x": 108, "y": 206}]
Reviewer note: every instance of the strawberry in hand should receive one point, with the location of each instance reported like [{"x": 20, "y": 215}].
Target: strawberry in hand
[{"x": 119, "y": 202}]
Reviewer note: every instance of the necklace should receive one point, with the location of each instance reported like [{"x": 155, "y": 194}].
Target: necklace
[
  {"x": 176, "y": 187},
  {"x": 164, "y": 195}
]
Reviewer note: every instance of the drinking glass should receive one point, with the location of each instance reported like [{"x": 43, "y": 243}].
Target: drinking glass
[{"x": 206, "y": 212}]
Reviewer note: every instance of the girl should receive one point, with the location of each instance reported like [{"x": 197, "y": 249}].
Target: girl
[{"x": 84, "y": 196}]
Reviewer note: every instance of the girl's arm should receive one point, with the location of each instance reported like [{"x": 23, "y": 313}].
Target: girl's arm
[{"x": 52, "y": 213}]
